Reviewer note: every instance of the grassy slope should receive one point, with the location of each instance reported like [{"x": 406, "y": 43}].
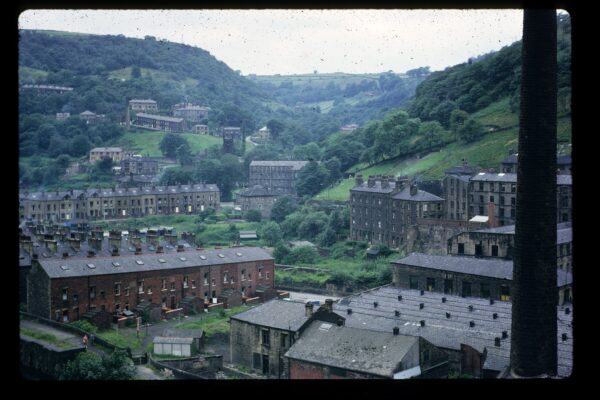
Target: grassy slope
[
  {"x": 147, "y": 142},
  {"x": 487, "y": 152}
]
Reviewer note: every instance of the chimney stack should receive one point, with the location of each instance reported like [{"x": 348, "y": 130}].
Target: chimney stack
[
  {"x": 172, "y": 239},
  {"x": 359, "y": 180},
  {"x": 152, "y": 239},
  {"x": 371, "y": 181},
  {"x": 492, "y": 215},
  {"x": 384, "y": 182},
  {"x": 136, "y": 241},
  {"x": 308, "y": 308},
  {"x": 114, "y": 238},
  {"x": 160, "y": 249},
  {"x": 179, "y": 248},
  {"x": 138, "y": 251},
  {"x": 413, "y": 189},
  {"x": 95, "y": 243},
  {"x": 329, "y": 305},
  {"x": 74, "y": 243},
  {"x": 114, "y": 252},
  {"x": 51, "y": 245}
]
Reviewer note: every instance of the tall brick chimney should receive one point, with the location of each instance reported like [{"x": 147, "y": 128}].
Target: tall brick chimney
[
  {"x": 492, "y": 223},
  {"x": 413, "y": 189},
  {"x": 329, "y": 305},
  {"x": 114, "y": 238},
  {"x": 308, "y": 309}
]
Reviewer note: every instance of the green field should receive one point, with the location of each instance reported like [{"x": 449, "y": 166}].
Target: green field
[
  {"x": 146, "y": 142},
  {"x": 31, "y": 75},
  {"x": 213, "y": 322}
]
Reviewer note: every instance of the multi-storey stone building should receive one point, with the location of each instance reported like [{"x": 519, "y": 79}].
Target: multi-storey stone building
[
  {"x": 382, "y": 209},
  {"x": 114, "y": 153},
  {"x": 75, "y": 270},
  {"x": 159, "y": 122},
  {"x": 563, "y": 164},
  {"x": 257, "y": 198},
  {"x": 146, "y": 105},
  {"x": 93, "y": 204},
  {"x": 466, "y": 276},
  {"x": 190, "y": 112},
  {"x": 276, "y": 176},
  {"x": 499, "y": 243},
  {"x": 455, "y": 188},
  {"x": 201, "y": 129},
  {"x": 138, "y": 165},
  {"x": 498, "y": 192}
]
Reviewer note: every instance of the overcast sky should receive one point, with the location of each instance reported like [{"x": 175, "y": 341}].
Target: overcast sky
[{"x": 284, "y": 42}]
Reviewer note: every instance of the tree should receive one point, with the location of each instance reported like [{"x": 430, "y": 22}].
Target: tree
[
  {"x": 271, "y": 233},
  {"x": 327, "y": 237},
  {"x": 533, "y": 349},
  {"x": 458, "y": 118},
  {"x": 311, "y": 179},
  {"x": 184, "y": 154},
  {"x": 333, "y": 166},
  {"x": 275, "y": 128},
  {"x": 175, "y": 176},
  {"x": 136, "y": 72},
  {"x": 310, "y": 151},
  {"x": 283, "y": 207},
  {"x": 253, "y": 216},
  {"x": 80, "y": 145},
  {"x": 91, "y": 366},
  {"x": 281, "y": 252},
  {"x": 471, "y": 131},
  {"x": 302, "y": 255},
  {"x": 170, "y": 143},
  {"x": 312, "y": 225}
]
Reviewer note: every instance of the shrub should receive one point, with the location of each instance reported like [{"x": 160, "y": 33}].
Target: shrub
[
  {"x": 253, "y": 215},
  {"x": 302, "y": 255},
  {"x": 85, "y": 326}
]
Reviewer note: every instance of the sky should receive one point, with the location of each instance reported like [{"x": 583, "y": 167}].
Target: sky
[{"x": 268, "y": 42}]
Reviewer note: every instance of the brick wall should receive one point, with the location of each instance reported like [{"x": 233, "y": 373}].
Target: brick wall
[{"x": 305, "y": 370}]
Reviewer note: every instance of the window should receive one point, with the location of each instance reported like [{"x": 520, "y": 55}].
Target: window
[
  {"x": 265, "y": 337},
  {"x": 485, "y": 290},
  {"x": 494, "y": 251},
  {"x": 141, "y": 286},
  {"x": 268, "y": 274},
  {"x": 513, "y": 201},
  {"x": 430, "y": 284},
  {"x": 206, "y": 278},
  {"x": 413, "y": 282},
  {"x": 65, "y": 294},
  {"x": 461, "y": 248},
  {"x": 478, "y": 250},
  {"x": 149, "y": 289},
  {"x": 126, "y": 290},
  {"x": 448, "y": 286},
  {"x": 185, "y": 281},
  {"x": 65, "y": 315},
  {"x": 75, "y": 298},
  {"x": 214, "y": 283},
  {"x": 172, "y": 286},
  {"x": 481, "y": 198},
  {"x": 163, "y": 284},
  {"x": 480, "y": 185},
  {"x": 260, "y": 274},
  {"x": 491, "y": 199},
  {"x": 225, "y": 277},
  {"x": 466, "y": 289},
  {"x": 243, "y": 274},
  {"x": 92, "y": 292},
  {"x": 504, "y": 292},
  {"x": 284, "y": 339},
  {"x": 117, "y": 289},
  {"x": 501, "y": 200},
  {"x": 193, "y": 284}
]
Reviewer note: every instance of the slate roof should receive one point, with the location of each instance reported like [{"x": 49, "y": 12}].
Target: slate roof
[
  {"x": 495, "y": 177},
  {"x": 296, "y": 165},
  {"x": 159, "y": 117},
  {"x": 77, "y": 267},
  {"x": 256, "y": 191},
  {"x": 564, "y": 231},
  {"x": 109, "y": 192},
  {"x": 488, "y": 267},
  {"x": 97, "y": 149},
  {"x": 421, "y": 195},
  {"x": 276, "y": 313},
  {"x": 448, "y": 333},
  {"x": 461, "y": 170},
  {"x": 511, "y": 159},
  {"x": 377, "y": 353},
  {"x": 87, "y": 112},
  {"x": 376, "y": 188},
  {"x": 183, "y": 333}
]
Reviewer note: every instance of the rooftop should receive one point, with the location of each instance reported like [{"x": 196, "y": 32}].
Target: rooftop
[
  {"x": 488, "y": 267},
  {"x": 104, "y": 149},
  {"x": 279, "y": 314},
  {"x": 159, "y": 117},
  {"x": 421, "y": 195},
  {"x": 564, "y": 231},
  {"x": 448, "y": 333},
  {"x": 76, "y": 267},
  {"x": 377, "y": 353},
  {"x": 461, "y": 170},
  {"x": 149, "y": 101},
  {"x": 295, "y": 165}
]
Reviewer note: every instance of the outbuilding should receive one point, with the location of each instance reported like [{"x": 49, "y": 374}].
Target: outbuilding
[{"x": 175, "y": 346}]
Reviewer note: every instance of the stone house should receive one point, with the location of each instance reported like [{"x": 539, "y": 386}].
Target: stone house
[
  {"x": 383, "y": 208},
  {"x": 275, "y": 176},
  {"x": 257, "y": 198},
  {"x": 159, "y": 122},
  {"x": 143, "y": 105},
  {"x": 114, "y": 153},
  {"x": 190, "y": 112},
  {"x": 261, "y": 336},
  {"x": 329, "y": 351}
]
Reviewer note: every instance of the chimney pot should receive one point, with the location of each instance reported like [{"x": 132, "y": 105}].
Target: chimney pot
[
  {"x": 179, "y": 248},
  {"x": 308, "y": 308}
]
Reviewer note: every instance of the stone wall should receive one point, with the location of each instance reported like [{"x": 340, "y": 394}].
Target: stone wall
[{"x": 43, "y": 357}]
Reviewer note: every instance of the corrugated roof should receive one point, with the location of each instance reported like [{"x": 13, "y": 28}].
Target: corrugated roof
[
  {"x": 150, "y": 262},
  {"x": 276, "y": 313},
  {"x": 377, "y": 353},
  {"x": 448, "y": 333}
]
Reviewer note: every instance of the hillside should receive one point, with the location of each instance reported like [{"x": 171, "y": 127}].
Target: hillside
[{"x": 467, "y": 111}]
